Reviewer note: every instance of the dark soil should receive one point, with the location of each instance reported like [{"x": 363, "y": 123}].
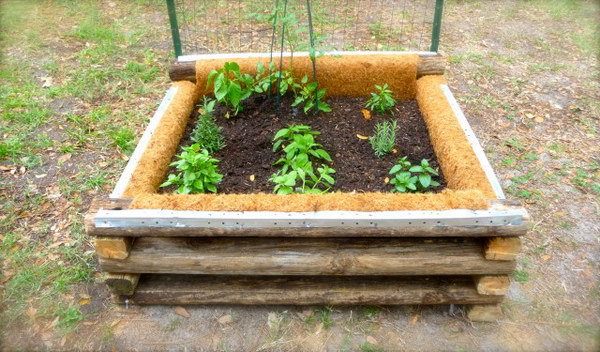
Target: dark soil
[{"x": 249, "y": 139}]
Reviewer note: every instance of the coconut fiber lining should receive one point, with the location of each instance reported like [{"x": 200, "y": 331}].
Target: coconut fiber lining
[
  {"x": 347, "y": 75},
  {"x": 468, "y": 187},
  {"x": 154, "y": 163},
  {"x": 457, "y": 159},
  {"x": 447, "y": 199}
]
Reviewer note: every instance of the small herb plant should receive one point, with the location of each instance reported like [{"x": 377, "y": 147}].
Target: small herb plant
[
  {"x": 308, "y": 94},
  {"x": 382, "y": 101},
  {"x": 297, "y": 173},
  {"x": 231, "y": 87},
  {"x": 207, "y": 133},
  {"x": 409, "y": 178},
  {"x": 198, "y": 171},
  {"x": 384, "y": 139}
]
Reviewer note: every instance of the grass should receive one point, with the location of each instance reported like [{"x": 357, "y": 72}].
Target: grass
[{"x": 43, "y": 266}]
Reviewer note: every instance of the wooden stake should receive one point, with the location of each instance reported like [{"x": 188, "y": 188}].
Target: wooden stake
[
  {"x": 495, "y": 285},
  {"x": 122, "y": 284},
  {"x": 502, "y": 248},
  {"x": 484, "y": 312},
  {"x": 113, "y": 247}
]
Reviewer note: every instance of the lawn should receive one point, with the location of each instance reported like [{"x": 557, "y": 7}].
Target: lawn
[{"x": 80, "y": 79}]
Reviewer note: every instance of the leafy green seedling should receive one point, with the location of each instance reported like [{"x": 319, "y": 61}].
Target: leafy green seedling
[
  {"x": 307, "y": 95},
  {"x": 424, "y": 173},
  {"x": 297, "y": 173},
  {"x": 207, "y": 133},
  {"x": 384, "y": 139},
  {"x": 405, "y": 179},
  {"x": 382, "y": 101},
  {"x": 231, "y": 87},
  {"x": 198, "y": 171}
]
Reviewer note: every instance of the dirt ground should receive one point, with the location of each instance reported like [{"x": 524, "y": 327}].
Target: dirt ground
[{"x": 79, "y": 81}]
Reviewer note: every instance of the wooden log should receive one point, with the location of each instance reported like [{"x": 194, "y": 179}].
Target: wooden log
[
  {"x": 318, "y": 232},
  {"x": 484, "y": 312},
  {"x": 121, "y": 283},
  {"x": 297, "y": 256},
  {"x": 502, "y": 248},
  {"x": 427, "y": 65},
  {"x": 194, "y": 289},
  {"x": 496, "y": 285},
  {"x": 113, "y": 247},
  {"x": 101, "y": 203}
]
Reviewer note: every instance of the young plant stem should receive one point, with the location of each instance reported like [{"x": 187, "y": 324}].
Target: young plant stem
[
  {"x": 278, "y": 103},
  {"x": 312, "y": 53},
  {"x": 272, "y": 45}
]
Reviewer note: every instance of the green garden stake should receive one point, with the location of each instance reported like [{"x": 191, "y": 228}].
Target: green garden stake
[
  {"x": 174, "y": 27},
  {"x": 437, "y": 25}
]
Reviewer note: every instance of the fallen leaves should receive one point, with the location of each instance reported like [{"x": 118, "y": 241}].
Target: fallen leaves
[
  {"x": 366, "y": 114},
  {"x": 252, "y": 177},
  {"x": 371, "y": 340},
  {"x": 225, "y": 319},
  {"x": 360, "y": 136},
  {"x": 63, "y": 158},
  {"x": 181, "y": 311}
]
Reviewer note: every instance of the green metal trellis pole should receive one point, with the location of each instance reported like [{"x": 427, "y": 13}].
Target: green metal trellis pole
[
  {"x": 174, "y": 27},
  {"x": 437, "y": 25}
]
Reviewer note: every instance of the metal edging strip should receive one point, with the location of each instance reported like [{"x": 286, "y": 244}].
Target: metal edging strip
[
  {"x": 121, "y": 185},
  {"x": 261, "y": 219},
  {"x": 189, "y": 58},
  {"x": 483, "y": 160}
]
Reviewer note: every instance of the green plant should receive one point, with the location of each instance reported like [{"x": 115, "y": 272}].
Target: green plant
[
  {"x": 207, "y": 133},
  {"x": 381, "y": 101},
  {"x": 308, "y": 95},
  {"x": 424, "y": 173},
  {"x": 198, "y": 171},
  {"x": 231, "y": 87},
  {"x": 405, "y": 179},
  {"x": 297, "y": 172},
  {"x": 384, "y": 138}
]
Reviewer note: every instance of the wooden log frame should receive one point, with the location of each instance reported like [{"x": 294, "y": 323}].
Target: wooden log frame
[
  {"x": 201, "y": 289},
  {"x": 427, "y": 65},
  {"x": 167, "y": 228},
  {"x": 496, "y": 285},
  {"x": 499, "y": 248},
  {"x": 121, "y": 284},
  {"x": 303, "y": 257}
]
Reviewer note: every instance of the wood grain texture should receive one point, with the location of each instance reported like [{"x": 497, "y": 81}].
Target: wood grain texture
[
  {"x": 484, "y": 312},
  {"x": 290, "y": 256},
  {"x": 427, "y": 65},
  {"x": 194, "y": 289},
  {"x": 121, "y": 284},
  {"x": 113, "y": 247},
  {"x": 316, "y": 232},
  {"x": 496, "y": 285},
  {"x": 502, "y": 248}
]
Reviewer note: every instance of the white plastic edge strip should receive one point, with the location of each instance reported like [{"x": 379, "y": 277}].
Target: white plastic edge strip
[
  {"x": 121, "y": 185},
  {"x": 189, "y": 58},
  {"x": 483, "y": 160}
]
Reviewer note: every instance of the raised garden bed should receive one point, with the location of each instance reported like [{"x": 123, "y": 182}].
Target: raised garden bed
[{"x": 358, "y": 230}]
